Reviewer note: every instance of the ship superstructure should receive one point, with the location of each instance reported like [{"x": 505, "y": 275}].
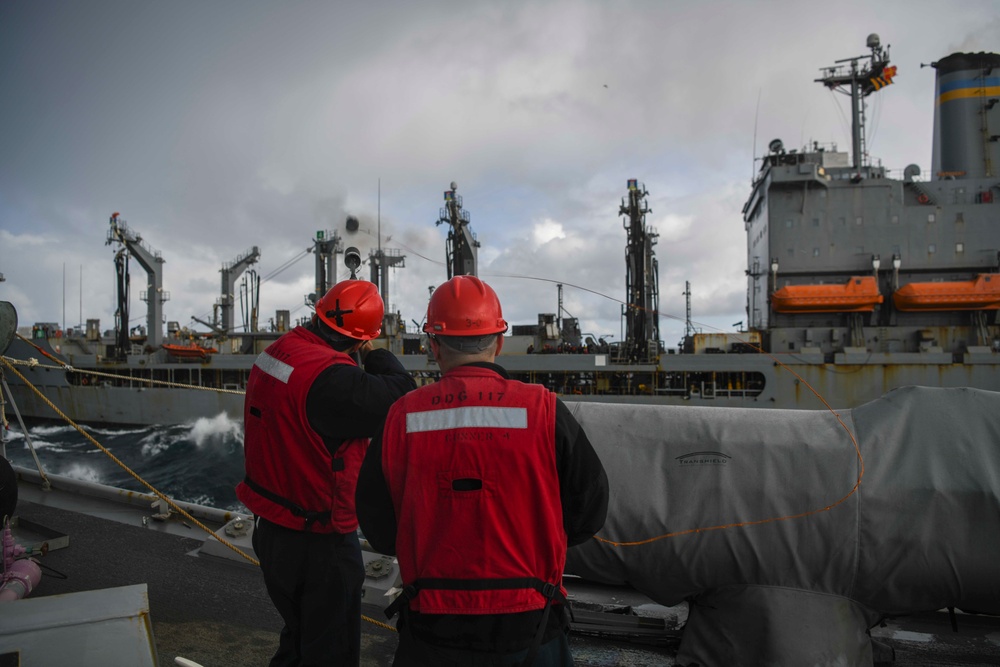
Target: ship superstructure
[{"x": 845, "y": 260}]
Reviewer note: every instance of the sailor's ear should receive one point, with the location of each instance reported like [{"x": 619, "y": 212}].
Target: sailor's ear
[
  {"x": 499, "y": 343},
  {"x": 435, "y": 348}
]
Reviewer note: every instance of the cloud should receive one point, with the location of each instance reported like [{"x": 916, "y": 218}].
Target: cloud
[
  {"x": 213, "y": 128},
  {"x": 547, "y": 230}
]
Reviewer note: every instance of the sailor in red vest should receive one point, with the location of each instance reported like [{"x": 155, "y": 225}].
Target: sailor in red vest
[
  {"x": 308, "y": 416},
  {"x": 477, "y": 485}
]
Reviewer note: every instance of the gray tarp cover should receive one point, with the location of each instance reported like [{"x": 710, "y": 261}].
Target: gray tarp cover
[{"x": 922, "y": 531}]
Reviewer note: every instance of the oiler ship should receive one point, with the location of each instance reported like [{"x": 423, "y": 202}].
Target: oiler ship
[{"x": 858, "y": 282}]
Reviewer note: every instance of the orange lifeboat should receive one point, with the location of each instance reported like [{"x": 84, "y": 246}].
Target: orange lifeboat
[
  {"x": 859, "y": 294},
  {"x": 189, "y": 351},
  {"x": 981, "y": 293}
]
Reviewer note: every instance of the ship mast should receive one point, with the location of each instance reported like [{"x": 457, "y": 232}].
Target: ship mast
[
  {"x": 860, "y": 81},
  {"x": 642, "y": 308},
  {"x": 462, "y": 244}
]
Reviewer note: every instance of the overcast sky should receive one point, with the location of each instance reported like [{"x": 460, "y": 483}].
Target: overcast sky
[{"x": 216, "y": 126}]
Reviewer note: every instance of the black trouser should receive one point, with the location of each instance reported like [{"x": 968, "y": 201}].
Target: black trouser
[
  {"x": 314, "y": 580},
  {"x": 415, "y": 652}
]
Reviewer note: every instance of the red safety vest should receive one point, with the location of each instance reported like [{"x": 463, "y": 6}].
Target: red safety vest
[
  {"x": 292, "y": 478},
  {"x": 470, "y": 464}
]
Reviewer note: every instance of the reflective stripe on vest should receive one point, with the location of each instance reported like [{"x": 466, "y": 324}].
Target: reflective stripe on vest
[
  {"x": 276, "y": 369},
  {"x": 474, "y": 417}
]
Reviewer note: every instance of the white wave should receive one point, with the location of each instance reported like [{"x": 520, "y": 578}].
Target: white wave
[
  {"x": 40, "y": 445},
  {"x": 215, "y": 429},
  {"x": 115, "y": 432},
  {"x": 51, "y": 430},
  {"x": 81, "y": 472},
  {"x": 13, "y": 434},
  {"x": 155, "y": 443},
  {"x": 201, "y": 499}
]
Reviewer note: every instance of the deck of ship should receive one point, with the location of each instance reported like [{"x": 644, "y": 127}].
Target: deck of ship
[
  {"x": 217, "y": 613},
  {"x": 213, "y": 611}
]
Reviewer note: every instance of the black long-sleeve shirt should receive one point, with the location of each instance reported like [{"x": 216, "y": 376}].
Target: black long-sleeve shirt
[{"x": 346, "y": 402}]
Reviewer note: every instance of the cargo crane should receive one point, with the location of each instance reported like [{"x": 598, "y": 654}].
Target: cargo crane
[
  {"x": 462, "y": 249},
  {"x": 230, "y": 272},
  {"x": 131, "y": 244},
  {"x": 641, "y": 311}
]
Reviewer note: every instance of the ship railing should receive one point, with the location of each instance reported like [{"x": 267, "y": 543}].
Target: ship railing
[
  {"x": 621, "y": 354},
  {"x": 128, "y": 236}
]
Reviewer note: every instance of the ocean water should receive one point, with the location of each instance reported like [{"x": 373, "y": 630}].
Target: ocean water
[{"x": 200, "y": 462}]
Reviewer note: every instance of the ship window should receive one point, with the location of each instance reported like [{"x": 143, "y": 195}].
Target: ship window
[
  {"x": 930, "y": 217},
  {"x": 959, "y": 248},
  {"x": 859, "y": 220},
  {"x": 895, "y": 219},
  {"x": 815, "y": 252},
  {"x": 932, "y": 248},
  {"x": 791, "y": 252},
  {"x": 959, "y": 218},
  {"x": 815, "y": 222},
  {"x": 788, "y": 224}
]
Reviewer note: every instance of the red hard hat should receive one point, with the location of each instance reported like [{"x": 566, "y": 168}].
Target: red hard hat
[
  {"x": 353, "y": 308},
  {"x": 464, "y": 306}
]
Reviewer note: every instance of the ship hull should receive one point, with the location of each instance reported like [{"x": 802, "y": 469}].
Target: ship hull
[
  {"x": 803, "y": 381},
  {"x": 93, "y": 391}
]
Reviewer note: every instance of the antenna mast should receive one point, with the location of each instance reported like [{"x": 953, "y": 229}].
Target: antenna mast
[
  {"x": 859, "y": 83},
  {"x": 688, "y": 326}
]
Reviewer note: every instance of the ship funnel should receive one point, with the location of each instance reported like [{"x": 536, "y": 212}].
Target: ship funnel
[{"x": 967, "y": 116}]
